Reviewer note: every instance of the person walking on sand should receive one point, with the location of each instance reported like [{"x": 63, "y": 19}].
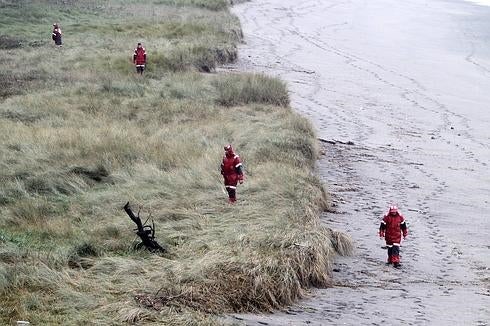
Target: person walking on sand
[
  {"x": 56, "y": 35},
  {"x": 391, "y": 228},
  {"x": 232, "y": 171},
  {"x": 139, "y": 58}
]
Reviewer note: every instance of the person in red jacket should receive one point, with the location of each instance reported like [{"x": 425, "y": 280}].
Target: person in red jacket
[
  {"x": 391, "y": 228},
  {"x": 232, "y": 171},
  {"x": 139, "y": 58}
]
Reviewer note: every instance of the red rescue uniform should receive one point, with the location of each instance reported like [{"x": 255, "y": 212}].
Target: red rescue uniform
[
  {"x": 232, "y": 171},
  {"x": 139, "y": 56},
  {"x": 391, "y": 228}
]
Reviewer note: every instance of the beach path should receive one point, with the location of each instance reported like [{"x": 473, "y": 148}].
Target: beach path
[{"x": 407, "y": 83}]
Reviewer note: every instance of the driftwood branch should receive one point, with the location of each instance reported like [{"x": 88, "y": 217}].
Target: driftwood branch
[{"x": 145, "y": 232}]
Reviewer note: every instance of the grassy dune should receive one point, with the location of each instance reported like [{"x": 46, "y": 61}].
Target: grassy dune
[{"x": 82, "y": 134}]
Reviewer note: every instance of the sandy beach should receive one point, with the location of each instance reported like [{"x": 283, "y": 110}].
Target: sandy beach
[
  {"x": 401, "y": 92},
  {"x": 481, "y": 2}
]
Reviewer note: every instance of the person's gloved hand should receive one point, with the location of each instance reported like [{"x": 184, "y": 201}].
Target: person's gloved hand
[
  {"x": 381, "y": 234},
  {"x": 405, "y": 234}
]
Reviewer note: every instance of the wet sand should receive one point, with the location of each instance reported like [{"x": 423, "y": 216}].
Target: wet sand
[{"x": 408, "y": 83}]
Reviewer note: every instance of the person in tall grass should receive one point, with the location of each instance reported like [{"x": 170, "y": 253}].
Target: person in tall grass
[
  {"x": 232, "y": 171},
  {"x": 391, "y": 228},
  {"x": 139, "y": 58},
  {"x": 56, "y": 35}
]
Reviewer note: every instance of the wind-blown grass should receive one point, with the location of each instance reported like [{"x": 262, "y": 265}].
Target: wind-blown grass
[
  {"x": 83, "y": 135},
  {"x": 244, "y": 89}
]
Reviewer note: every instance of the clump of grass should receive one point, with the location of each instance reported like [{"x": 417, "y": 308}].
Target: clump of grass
[
  {"x": 97, "y": 174},
  {"x": 198, "y": 57},
  {"x": 342, "y": 243},
  {"x": 86, "y": 249},
  {"x": 13, "y": 82},
  {"x": 207, "y": 4},
  {"x": 237, "y": 89},
  {"x": 82, "y": 254},
  {"x": 8, "y": 42},
  {"x": 19, "y": 114}
]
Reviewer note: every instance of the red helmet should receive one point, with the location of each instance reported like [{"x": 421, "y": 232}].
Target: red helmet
[{"x": 393, "y": 209}]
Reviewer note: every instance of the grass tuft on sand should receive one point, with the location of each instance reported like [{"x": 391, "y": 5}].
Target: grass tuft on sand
[
  {"x": 84, "y": 135},
  {"x": 242, "y": 89}
]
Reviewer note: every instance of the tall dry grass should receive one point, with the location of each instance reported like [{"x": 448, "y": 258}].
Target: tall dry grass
[
  {"x": 83, "y": 135},
  {"x": 245, "y": 89}
]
